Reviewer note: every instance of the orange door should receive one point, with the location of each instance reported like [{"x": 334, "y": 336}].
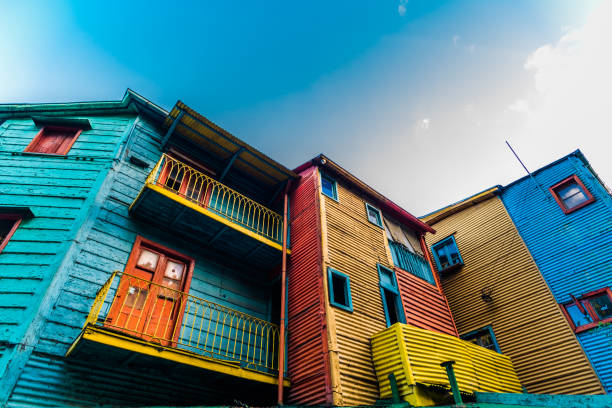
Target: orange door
[{"x": 150, "y": 298}]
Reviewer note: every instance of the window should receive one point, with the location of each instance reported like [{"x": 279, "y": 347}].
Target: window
[
  {"x": 53, "y": 140},
  {"x": 589, "y": 310},
  {"x": 392, "y": 304},
  {"x": 571, "y": 194},
  {"x": 411, "y": 262},
  {"x": 328, "y": 186},
  {"x": 8, "y": 226},
  {"x": 447, "y": 254},
  {"x": 484, "y": 338},
  {"x": 374, "y": 215},
  {"x": 339, "y": 290}
]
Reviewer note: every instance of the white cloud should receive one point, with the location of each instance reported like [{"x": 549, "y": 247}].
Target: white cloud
[
  {"x": 456, "y": 39},
  {"x": 401, "y": 8},
  {"x": 424, "y": 124},
  {"x": 520, "y": 105},
  {"x": 471, "y": 48}
]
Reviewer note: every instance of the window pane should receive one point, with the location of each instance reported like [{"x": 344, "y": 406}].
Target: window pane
[
  {"x": 339, "y": 289},
  {"x": 577, "y": 316},
  {"x": 174, "y": 270},
  {"x": 386, "y": 278},
  {"x": 572, "y": 195},
  {"x": 136, "y": 297},
  {"x": 602, "y": 306},
  {"x": 148, "y": 259},
  {"x": 482, "y": 338},
  {"x": 374, "y": 216},
  {"x": 391, "y": 302},
  {"x": 5, "y": 228},
  {"x": 327, "y": 186}
]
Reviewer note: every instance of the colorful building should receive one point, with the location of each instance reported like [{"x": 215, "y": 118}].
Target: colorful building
[
  {"x": 526, "y": 272},
  {"x": 364, "y": 302},
  {"x": 141, "y": 255},
  {"x": 563, "y": 212},
  {"x": 145, "y": 259}
]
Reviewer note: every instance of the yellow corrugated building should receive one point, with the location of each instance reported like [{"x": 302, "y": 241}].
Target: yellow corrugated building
[{"x": 499, "y": 299}]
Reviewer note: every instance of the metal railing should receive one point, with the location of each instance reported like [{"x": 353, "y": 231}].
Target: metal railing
[
  {"x": 206, "y": 192},
  {"x": 409, "y": 261},
  {"x": 164, "y": 316}
]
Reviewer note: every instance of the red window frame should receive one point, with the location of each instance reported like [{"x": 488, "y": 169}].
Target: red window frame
[
  {"x": 570, "y": 180},
  {"x": 63, "y": 149},
  {"x": 17, "y": 220},
  {"x": 583, "y": 303}
]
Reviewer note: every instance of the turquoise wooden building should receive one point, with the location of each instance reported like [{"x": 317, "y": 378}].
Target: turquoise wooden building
[
  {"x": 563, "y": 212},
  {"x": 123, "y": 228}
]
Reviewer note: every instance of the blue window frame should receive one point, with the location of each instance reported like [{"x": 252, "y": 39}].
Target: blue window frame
[
  {"x": 339, "y": 289},
  {"x": 329, "y": 187},
  {"x": 394, "y": 312},
  {"x": 373, "y": 214},
  {"x": 483, "y": 337},
  {"x": 447, "y": 254},
  {"x": 411, "y": 262}
]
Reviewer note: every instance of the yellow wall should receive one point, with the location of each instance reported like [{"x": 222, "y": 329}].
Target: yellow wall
[
  {"x": 354, "y": 246},
  {"x": 526, "y": 320}
]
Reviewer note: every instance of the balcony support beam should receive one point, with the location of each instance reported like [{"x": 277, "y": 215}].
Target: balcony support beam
[
  {"x": 229, "y": 164},
  {"x": 172, "y": 128}
]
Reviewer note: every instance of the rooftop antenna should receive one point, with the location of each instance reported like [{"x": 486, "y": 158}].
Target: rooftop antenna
[{"x": 525, "y": 167}]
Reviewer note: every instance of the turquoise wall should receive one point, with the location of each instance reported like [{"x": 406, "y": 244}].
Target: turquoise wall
[{"x": 56, "y": 262}]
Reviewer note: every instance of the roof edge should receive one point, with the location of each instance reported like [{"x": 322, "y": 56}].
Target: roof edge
[{"x": 444, "y": 212}]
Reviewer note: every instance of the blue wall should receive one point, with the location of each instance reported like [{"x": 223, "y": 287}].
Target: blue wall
[
  {"x": 55, "y": 263},
  {"x": 573, "y": 251}
]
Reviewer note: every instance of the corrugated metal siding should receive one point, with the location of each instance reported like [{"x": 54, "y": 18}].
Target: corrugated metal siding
[
  {"x": 598, "y": 346},
  {"x": 355, "y": 246},
  {"x": 424, "y": 305},
  {"x": 414, "y": 356},
  {"x": 571, "y": 250},
  {"x": 527, "y": 322},
  {"x": 308, "y": 361}
]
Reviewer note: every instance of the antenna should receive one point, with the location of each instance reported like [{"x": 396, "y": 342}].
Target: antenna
[
  {"x": 528, "y": 172},
  {"x": 517, "y": 158}
]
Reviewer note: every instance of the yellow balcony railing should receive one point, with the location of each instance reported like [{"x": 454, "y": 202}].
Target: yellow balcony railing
[
  {"x": 413, "y": 355},
  {"x": 166, "y": 317},
  {"x": 208, "y": 193}
]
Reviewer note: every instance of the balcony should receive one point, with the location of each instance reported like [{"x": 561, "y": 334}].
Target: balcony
[
  {"x": 179, "y": 197},
  {"x": 409, "y": 261},
  {"x": 156, "y": 326},
  {"x": 414, "y": 355}
]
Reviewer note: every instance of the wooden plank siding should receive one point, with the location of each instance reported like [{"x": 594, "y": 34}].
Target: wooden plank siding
[
  {"x": 525, "y": 318},
  {"x": 59, "y": 187}
]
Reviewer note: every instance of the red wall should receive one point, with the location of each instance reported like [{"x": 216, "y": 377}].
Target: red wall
[
  {"x": 307, "y": 357},
  {"x": 424, "y": 304}
]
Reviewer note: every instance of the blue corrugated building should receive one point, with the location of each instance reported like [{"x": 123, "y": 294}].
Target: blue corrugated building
[
  {"x": 140, "y": 252},
  {"x": 563, "y": 212}
]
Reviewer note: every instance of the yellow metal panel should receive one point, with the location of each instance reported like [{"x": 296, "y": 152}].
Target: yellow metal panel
[
  {"x": 414, "y": 356},
  {"x": 527, "y": 322}
]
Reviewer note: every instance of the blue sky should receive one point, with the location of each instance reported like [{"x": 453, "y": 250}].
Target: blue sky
[{"x": 414, "y": 97}]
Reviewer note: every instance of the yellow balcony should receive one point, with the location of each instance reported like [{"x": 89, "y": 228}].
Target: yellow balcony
[
  {"x": 414, "y": 355},
  {"x": 157, "y": 326},
  {"x": 184, "y": 199}
]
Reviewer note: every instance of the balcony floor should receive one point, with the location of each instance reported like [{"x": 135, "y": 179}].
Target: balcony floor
[
  {"x": 164, "y": 208},
  {"x": 99, "y": 343}
]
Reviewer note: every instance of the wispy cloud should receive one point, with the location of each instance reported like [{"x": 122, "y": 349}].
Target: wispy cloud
[
  {"x": 424, "y": 124},
  {"x": 456, "y": 39},
  {"x": 401, "y": 8},
  {"x": 520, "y": 106},
  {"x": 471, "y": 48}
]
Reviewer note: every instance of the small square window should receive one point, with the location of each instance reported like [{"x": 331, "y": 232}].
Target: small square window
[
  {"x": 589, "y": 310},
  {"x": 53, "y": 140},
  {"x": 8, "y": 226},
  {"x": 339, "y": 290},
  {"x": 484, "y": 338},
  {"x": 571, "y": 194},
  {"x": 447, "y": 254},
  {"x": 374, "y": 215},
  {"x": 392, "y": 304},
  {"x": 328, "y": 186}
]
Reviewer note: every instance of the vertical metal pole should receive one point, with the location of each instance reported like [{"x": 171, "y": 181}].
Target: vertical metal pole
[
  {"x": 394, "y": 390},
  {"x": 281, "y": 340},
  {"x": 450, "y": 371}
]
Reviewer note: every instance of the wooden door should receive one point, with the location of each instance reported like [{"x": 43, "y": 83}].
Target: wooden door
[{"x": 151, "y": 295}]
